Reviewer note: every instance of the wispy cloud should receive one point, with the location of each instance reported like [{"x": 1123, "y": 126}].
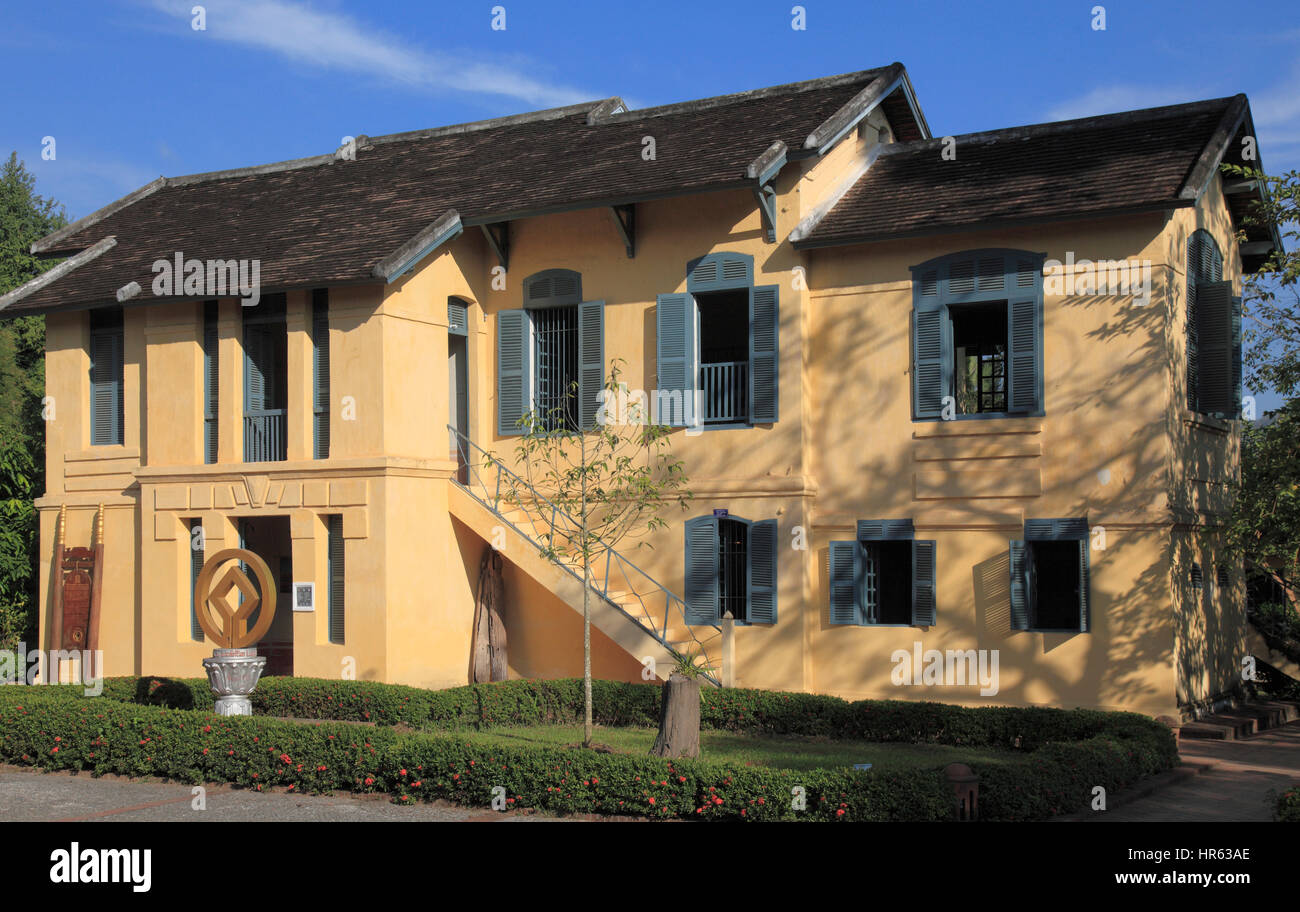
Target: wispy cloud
[
  {"x": 332, "y": 40},
  {"x": 1114, "y": 98}
]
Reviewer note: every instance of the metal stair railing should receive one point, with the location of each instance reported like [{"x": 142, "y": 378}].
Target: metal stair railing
[{"x": 555, "y": 534}]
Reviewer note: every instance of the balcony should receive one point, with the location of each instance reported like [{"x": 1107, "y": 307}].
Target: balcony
[
  {"x": 264, "y": 436},
  {"x": 725, "y": 385}
]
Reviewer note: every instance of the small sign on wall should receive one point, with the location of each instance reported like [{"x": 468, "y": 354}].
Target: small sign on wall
[
  {"x": 304, "y": 596},
  {"x": 720, "y": 514}
]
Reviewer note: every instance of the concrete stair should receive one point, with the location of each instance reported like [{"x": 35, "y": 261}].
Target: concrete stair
[
  {"x": 1237, "y": 723},
  {"x": 620, "y": 614}
]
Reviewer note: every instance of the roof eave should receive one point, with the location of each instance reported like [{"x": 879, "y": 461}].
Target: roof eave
[
  {"x": 53, "y": 274},
  {"x": 993, "y": 225}
]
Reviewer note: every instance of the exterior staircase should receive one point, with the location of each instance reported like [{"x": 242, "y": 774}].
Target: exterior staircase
[{"x": 629, "y": 606}]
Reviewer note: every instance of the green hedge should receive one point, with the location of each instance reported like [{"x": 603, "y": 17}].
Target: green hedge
[
  {"x": 1066, "y": 753},
  {"x": 55, "y": 733}
]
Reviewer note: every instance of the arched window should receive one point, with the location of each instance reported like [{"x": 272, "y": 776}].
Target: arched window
[
  {"x": 552, "y": 345},
  {"x": 1213, "y": 331},
  {"x": 977, "y": 330}
]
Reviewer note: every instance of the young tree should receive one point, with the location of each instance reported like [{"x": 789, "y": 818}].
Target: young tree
[
  {"x": 1265, "y": 525},
  {"x": 613, "y": 480},
  {"x": 25, "y": 218}
]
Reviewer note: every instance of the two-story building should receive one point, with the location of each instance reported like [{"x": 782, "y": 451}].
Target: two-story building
[{"x": 970, "y": 397}]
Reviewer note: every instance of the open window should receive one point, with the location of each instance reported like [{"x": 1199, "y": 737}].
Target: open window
[
  {"x": 977, "y": 335},
  {"x": 979, "y": 343},
  {"x": 730, "y": 566},
  {"x": 718, "y": 347},
  {"x": 1049, "y": 576},
  {"x": 266, "y": 382},
  {"x": 883, "y": 578}
]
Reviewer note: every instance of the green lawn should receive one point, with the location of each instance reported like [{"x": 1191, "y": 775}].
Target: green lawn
[{"x": 753, "y": 750}]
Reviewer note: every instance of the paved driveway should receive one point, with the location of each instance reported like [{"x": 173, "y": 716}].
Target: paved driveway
[
  {"x": 1236, "y": 789},
  {"x": 29, "y": 795}
]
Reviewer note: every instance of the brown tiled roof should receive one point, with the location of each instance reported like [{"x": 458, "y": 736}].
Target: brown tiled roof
[
  {"x": 329, "y": 222},
  {"x": 1076, "y": 168}
]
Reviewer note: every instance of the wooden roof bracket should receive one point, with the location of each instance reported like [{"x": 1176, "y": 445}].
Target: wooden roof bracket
[
  {"x": 763, "y": 171},
  {"x": 498, "y": 238},
  {"x": 625, "y": 221}
]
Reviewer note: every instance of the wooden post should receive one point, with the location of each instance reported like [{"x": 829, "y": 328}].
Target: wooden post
[
  {"x": 51, "y": 676},
  {"x": 488, "y": 650},
  {"x": 96, "y": 600},
  {"x": 728, "y": 650}
]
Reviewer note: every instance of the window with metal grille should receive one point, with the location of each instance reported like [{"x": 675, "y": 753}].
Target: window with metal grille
[
  {"x": 555, "y": 331},
  {"x": 1221, "y": 577},
  {"x": 1198, "y": 581},
  {"x": 733, "y": 572}
]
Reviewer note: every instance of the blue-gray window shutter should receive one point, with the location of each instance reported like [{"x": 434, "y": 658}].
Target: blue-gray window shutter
[
  {"x": 211, "y": 381},
  {"x": 764, "y": 352},
  {"x": 514, "y": 377},
  {"x": 845, "y": 572},
  {"x": 885, "y": 529},
  {"x": 931, "y": 368},
  {"x": 457, "y": 317},
  {"x": 702, "y": 594},
  {"x": 1235, "y": 412},
  {"x": 1217, "y": 341},
  {"x": 762, "y": 571},
  {"x": 320, "y": 337},
  {"x": 106, "y": 372},
  {"x": 1193, "y": 357},
  {"x": 335, "y": 572},
  {"x": 923, "y": 600},
  {"x": 1085, "y": 596},
  {"x": 720, "y": 271},
  {"x": 1024, "y": 361},
  {"x": 591, "y": 360},
  {"x": 255, "y": 356},
  {"x": 196, "y": 566},
  {"x": 1020, "y": 596},
  {"x": 675, "y": 348}
]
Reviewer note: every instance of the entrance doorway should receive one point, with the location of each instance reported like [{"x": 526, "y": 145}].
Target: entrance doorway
[{"x": 268, "y": 537}]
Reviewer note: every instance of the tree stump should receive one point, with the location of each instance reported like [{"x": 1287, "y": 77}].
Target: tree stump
[
  {"x": 679, "y": 718},
  {"x": 488, "y": 649}
]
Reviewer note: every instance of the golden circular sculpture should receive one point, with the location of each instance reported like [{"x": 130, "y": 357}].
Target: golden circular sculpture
[{"x": 224, "y": 625}]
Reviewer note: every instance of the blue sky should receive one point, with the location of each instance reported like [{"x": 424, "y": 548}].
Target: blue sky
[{"x": 129, "y": 90}]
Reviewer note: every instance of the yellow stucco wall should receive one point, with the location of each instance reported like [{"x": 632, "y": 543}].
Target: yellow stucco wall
[{"x": 1113, "y": 445}]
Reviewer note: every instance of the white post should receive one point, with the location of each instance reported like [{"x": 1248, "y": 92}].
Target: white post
[{"x": 728, "y": 650}]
